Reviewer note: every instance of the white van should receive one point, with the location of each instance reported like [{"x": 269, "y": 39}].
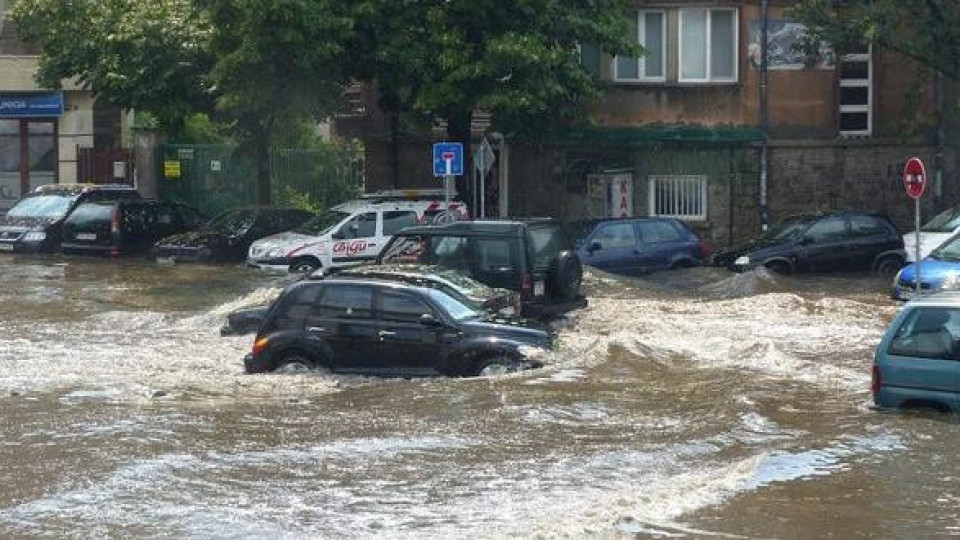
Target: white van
[
  {"x": 935, "y": 232},
  {"x": 353, "y": 232}
]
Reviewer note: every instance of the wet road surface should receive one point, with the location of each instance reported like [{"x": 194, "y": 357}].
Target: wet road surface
[{"x": 691, "y": 404}]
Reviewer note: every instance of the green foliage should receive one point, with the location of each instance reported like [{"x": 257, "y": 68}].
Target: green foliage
[
  {"x": 925, "y": 31},
  {"x": 199, "y": 128}
]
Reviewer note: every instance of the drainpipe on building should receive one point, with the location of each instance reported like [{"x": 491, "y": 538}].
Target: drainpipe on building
[
  {"x": 764, "y": 28},
  {"x": 941, "y": 143}
]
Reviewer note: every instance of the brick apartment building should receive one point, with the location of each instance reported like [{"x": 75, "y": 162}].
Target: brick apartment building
[
  {"x": 701, "y": 129},
  {"x": 42, "y": 129}
]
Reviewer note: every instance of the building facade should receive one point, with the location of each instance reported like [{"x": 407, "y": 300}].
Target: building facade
[
  {"x": 43, "y": 132},
  {"x": 703, "y": 129}
]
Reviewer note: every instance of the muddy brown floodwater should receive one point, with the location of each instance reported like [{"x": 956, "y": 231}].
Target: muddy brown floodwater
[{"x": 691, "y": 404}]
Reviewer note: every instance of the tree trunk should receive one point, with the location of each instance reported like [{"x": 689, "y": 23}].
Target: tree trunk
[
  {"x": 458, "y": 130},
  {"x": 261, "y": 150}
]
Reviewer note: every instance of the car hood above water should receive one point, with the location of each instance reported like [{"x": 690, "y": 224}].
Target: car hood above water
[
  {"x": 25, "y": 223},
  {"x": 509, "y": 330},
  {"x": 759, "y": 248},
  {"x": 196, "y": 239},
  {"x": 285, "y": 240}
]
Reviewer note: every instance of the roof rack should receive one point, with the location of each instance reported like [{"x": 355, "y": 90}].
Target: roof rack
[{"x": 405, "y": 195}]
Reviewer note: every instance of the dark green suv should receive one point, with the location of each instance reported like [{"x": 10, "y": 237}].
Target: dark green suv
[{"x": 534, "y": 257}]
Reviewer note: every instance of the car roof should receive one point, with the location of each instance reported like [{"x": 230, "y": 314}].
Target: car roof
[
  {"x": 358, "y": 205},
  {"x": 479, "y": 228},
  {"x": 76, "y": 189},
  {"x": 940, "y": 299},
  {"x": 355, "y": 280}
]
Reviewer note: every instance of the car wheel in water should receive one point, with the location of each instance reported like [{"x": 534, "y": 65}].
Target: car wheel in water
[
  {"x": 496, "y": 366},
  {"x": 779, "y": 267},
  {"x": 888, "y": 266},
  {"x": 304, "y": 266},
  {"x": 296, "y": 363}
]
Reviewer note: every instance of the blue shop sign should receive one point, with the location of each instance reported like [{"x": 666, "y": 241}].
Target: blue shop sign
[{"x": 45, "y": 105}]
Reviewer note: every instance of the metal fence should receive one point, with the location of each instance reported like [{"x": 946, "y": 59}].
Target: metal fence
[{"x": 214, "y": 178}]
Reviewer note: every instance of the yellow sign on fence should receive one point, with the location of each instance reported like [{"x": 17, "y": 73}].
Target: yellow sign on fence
[{"x": 171, "y": 169}]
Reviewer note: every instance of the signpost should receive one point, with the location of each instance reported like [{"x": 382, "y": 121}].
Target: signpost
[
  {"x": 447, "y": 163},
  {"x": 482, "y": 161},
  {"x": 914, "y": 181}
]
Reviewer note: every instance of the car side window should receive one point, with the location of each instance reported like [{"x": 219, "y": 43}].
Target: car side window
[
  {"x": 659, "y": 231},
  {"x": 401, "y": 307},
  {"x": 396, "y": 220},
  {"x": 297, "y": 306},
  {"x": 361, "y": 226},
  {"x": 928, "y": 332},
  {"x": 829, "y": 229},
  {"x": 616, "y": 236},
  {"x": 495, "y": 255},
  {"x": 346, "y": 302},
  {"x": 868, "y": 226}
]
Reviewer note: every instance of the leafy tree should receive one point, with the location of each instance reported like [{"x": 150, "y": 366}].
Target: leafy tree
[
  {"x": 926, "y": 31},
  {"x": 517, "y": 60},
  {"x": 144, "y": 55}
]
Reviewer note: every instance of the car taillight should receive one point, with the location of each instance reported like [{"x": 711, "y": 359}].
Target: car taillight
[
  {"x": 526, "y": 286},
  {"x": 259, "y": 345},
  {"x": 877, "y": 380},
  {"x": 705, "y": 249},
  {"x": 115, "y": 220}
]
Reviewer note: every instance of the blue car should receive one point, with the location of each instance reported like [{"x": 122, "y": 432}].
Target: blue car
[
  {"x": 635, "y": 246},
  {"x": 939, "y": 271},
  {"x": 917, "y": 364}
]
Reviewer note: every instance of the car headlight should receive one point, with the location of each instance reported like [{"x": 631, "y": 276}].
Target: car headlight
[
  {"x": 742, "y": 261},
  {"x": 35, "y": 236},
  {"x": 275, "y": 253},
  {"x": 531, "y": 352},
  {"x": 950, "y": 283}
]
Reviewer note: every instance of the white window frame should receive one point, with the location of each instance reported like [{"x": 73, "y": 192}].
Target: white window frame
[
  {"x": 736, "y": 47},
  {"x": 641, "y": 15},
  {"x": 858, "y": 83},
  {"x": 695, "y": 185}
]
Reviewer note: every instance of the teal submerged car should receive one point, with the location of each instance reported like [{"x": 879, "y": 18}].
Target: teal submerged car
[{"x": 917, "y": 364}]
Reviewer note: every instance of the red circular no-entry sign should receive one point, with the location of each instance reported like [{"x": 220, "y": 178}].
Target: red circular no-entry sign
[{"x": 914, "y": 177}]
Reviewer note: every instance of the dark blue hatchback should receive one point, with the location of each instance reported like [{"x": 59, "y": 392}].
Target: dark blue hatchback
[{"x": 640, "y": 245}]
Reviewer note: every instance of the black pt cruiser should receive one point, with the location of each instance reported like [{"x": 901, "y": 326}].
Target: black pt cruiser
[{"x": 373, "y": 326}]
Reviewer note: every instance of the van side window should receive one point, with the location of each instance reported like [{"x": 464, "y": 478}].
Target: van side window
[
  {"x": 394, "y": 221},
  {"x": 362, "y": 226},
  {"x": 928, "y": 332}
]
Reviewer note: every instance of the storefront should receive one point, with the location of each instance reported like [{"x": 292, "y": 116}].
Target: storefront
[{"x": 29, "y": 123}]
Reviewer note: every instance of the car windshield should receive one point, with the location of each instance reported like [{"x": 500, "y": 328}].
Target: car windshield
[
  {"x": 456, "y": 309},
  {"x": 948, "y": 251},
  {"x": 788, "y": 228},
  {"x": 945, "y": 222},
  {"x": 232, "y": 222},
  {"x": 322, "y": 224},
  {"x": 52, "y": 206}
]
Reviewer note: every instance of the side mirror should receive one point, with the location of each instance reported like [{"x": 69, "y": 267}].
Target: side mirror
[
  {"x": 594, "y": 246},
  {"x": 430, "y": 321},
  {"x": 806, "y": 241}
]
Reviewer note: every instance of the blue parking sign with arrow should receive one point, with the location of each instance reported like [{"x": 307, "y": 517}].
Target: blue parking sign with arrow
[{"x": 448, "y": 159}]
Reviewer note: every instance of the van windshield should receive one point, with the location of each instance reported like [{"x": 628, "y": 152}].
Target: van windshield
[
  {"x": 944, "y": 222},
  {"x": 322, "y": 224},
  {"x": 53, "y": 206}
]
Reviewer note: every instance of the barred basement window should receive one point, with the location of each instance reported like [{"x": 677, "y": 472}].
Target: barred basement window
[
  {"x": 676, "y": 196},
  {"x": 856, "y": 81}
]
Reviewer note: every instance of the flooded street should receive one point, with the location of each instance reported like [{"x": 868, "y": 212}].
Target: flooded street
[{"x": 692, "y": 404}]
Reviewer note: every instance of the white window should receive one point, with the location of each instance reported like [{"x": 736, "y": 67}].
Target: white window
[
  {"x": 677, "y": 196},
  {"x": 649, "y": 29},
  {"x": 856, "y": 99},
  {"x": 708, "y": 45}
]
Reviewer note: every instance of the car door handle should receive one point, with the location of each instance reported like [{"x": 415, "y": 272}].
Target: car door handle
[
  {"x": 317, "y": 329},
  {"x": 387, "y": 333}
]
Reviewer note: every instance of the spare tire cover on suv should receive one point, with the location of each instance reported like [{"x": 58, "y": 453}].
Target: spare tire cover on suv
[{"x": 565, "y": 282}]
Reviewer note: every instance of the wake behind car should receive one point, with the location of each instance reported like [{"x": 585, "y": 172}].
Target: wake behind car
[
  {"x": 228, "y": 236},
  {"x": 939, "y": 271},
  {"x": 826, "y": 242},
  {"x": 533, "y": 257},
  {"x": 35, "y": 223},
  {"x": 373, "y": 326},
  {"x": 353, "y": 232},
  {"x": 493, "y": 301},
  {"x": 640, "y": 245}
]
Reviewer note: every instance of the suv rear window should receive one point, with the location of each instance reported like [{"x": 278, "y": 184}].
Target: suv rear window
[
  {"x": 545, "y": 243},
  {"x": 89, "y": 213},
  {"x": 928, "y": 332}
]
